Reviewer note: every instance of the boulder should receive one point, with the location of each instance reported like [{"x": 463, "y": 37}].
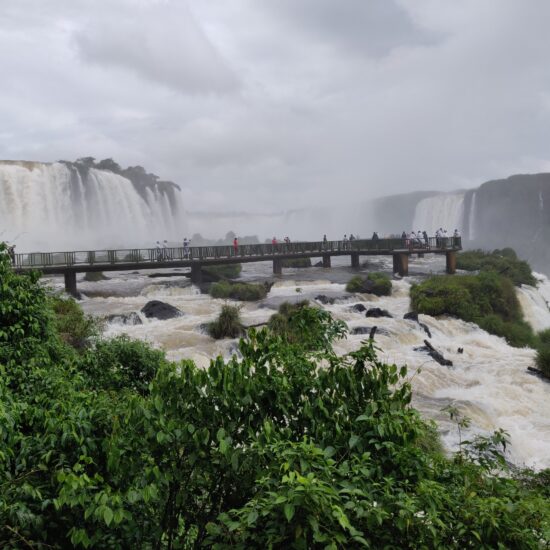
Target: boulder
[
  {"x": 125, "y": 319},
  {"x": 318, "y": 264},
  {"x": 160, "y": 310},
  {"x": 359, "y": 308},
  {"x": 324, "y": 299},
  {"x": 377, "y": 312},
  {"x": 538, "y": 372},
  {"x": 411, "y": 316},
  {"x": 434, "y": 354}
]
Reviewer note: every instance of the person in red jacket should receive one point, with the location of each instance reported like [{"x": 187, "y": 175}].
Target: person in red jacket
[{"x": 235, "y": 245}]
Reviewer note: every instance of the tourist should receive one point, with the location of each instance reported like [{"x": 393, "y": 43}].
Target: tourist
[
  {"x": 375, "y": 236},
  {"x": 186, "y": 248},
  {"x": 159, "y": 252},
  {"x": 165, "y": 251},
  {"x": 426, "y": 240},
  {"x": 235, "y": 245}
]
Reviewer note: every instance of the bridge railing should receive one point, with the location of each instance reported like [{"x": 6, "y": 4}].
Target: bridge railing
[{"x": 197, "y": 253}]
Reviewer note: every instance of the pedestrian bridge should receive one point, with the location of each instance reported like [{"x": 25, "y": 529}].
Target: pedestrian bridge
[{"x": 196, "y": 257}]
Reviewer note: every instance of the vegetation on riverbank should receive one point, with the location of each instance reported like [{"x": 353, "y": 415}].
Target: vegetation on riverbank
[
  {"x": 504, "y": 262},
  {"x": 374, "y": 283},
  {"x": 296, "y": 262},
  {"x": 116, "y": 447},
  {"x": 246, "y": 292},
  {"x": 487, "y": 299},
  {"x": 228, "y": 324},
  {"x": 224, "y": 271},
  {"x": 94, "y": 276}
]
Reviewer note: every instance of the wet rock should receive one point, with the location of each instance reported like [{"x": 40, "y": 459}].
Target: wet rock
[
  {"x": 377, "y": 312},
  {"x": 359, "y": 308},
  {"x": 125, "y": 319},
  {"x": 460, "y": 350},
  {"x": 318, "y": 264},
  {"x": 160, "y": 310},
  {"x": 538, "y": 372},
  {"x": 434, "y": 354},
  {"x": 411, "y": 316},
  {"x": 426, "y": 329},
  {"x": 367, "y": 330},
  {"x": 324, "y": 299}
]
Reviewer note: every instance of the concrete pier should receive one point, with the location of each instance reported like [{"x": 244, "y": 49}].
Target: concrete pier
[
  {"x": 326, "y": 260},
  {"x": 355, "y": 260},
  {"x": 450, "y": 258},
  {"x": 196, "y": 274},
  {"x": 401, "y": 264},
  {"x": 70, "y": 283}
]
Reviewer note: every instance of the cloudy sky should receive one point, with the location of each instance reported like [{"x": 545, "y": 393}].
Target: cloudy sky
[{"x": 270, "y": 104}]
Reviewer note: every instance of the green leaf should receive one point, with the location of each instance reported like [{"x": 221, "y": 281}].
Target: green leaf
[
  {"x": 107, "y": 515},
  {"x": 289, "y": 511}
]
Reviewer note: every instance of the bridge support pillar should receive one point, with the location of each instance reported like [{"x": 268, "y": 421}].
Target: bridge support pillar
[
  {"x": 196, "y": 274},
  {"x": 70, "y": 283},
  {"x": 355, "y": 260},
  {"x": 420, "y": 255},
  {"x": 326, "y": 260},
  {"x": 450, "y": 262},
  {"x": 401, "y": 264},
  {"x": 277, "y": 267}
]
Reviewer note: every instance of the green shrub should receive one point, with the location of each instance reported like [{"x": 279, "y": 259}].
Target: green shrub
[
  {"x": 543, "y": 359},
  {"x": 544, "y": 336},
  {"x": 504, "y": 262},
  {"x": 296, "y": 262},
  {"x": 225, "y": 271},
  {"x": 246, "y": 292},
  {"x": 374, "y": 283},
  {"x": 355, "y": 284},
  {"x": 487, "y": 299},
  {"x": 94, "y": 276},
  {"x": 228, "y": 324},
  {"x": 121, "y": 363},
  {"x": 73, "y": 326}
]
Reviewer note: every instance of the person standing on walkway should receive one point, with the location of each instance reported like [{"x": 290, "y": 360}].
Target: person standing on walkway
[
  {"x": 186, "y": 248},
  {"x": 159, "y": 251},
  {"x": 235, "y": 246},
  {"x": 165, "y": 251}
]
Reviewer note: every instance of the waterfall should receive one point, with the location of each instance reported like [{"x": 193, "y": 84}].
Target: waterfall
[
  {"x": 472, "y": 220},
  {"x": 56, "y": 207},
  {"x": 445, "y": 210}
]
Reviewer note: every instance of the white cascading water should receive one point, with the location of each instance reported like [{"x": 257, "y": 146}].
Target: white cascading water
[
  {"x": 489, "y": 381},
  {"x": 49, "y": 207},
  {"x": 472, "y": 219},
  {"x": 445, "y": 210}
]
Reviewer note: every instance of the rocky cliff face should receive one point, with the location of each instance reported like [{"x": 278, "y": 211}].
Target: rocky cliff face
[{"x": 512, "y": 212}]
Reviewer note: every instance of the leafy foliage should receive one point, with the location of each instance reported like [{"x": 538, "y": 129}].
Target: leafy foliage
[
  {"x": 226, "y": 271},
  {"x": 75, "y": 328},
  {"x": 378, "y": 284},
  {"x": 487, "y": 299},
  {"x": 288, "y": 446},
  {"x": 296, "y": 262},
  {"x": 504, "y": 262},
  {"x": 248, "y": 292},
  {"x": 228, "y": 324}
]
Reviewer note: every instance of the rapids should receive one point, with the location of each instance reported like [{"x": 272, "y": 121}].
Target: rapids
[{"x": 489, "y": 381}]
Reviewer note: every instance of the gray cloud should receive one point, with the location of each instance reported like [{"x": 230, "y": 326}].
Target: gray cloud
[{"x": 266, "y": 106}]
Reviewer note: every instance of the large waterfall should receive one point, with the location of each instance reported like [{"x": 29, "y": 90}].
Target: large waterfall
[
  {"x": 445, "y": 210},
  {"x": 57, "y": 206}
]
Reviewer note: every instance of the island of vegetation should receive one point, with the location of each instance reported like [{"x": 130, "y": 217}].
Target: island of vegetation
[
  {"x": 378, "y": 284},
  {"x": 107, "y": 444}
]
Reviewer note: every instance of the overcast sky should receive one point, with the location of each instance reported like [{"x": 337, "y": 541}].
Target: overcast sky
[{"x": 270, "y": 104}]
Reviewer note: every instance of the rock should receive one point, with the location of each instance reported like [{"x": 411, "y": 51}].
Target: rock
[
  {"x": 411, "y": 316},
  {"x": 318, "y": 264},
  {"x": 160, "y": 310},
  {"x": 359, "y": 308},
  {"x": 125, "y": 319},
  {"x": 324, "y": 299},
  {"x": 377, "y": 312},
  {"x": 426, "y": 329},
  {"x": 460, "y": 350},
  {"x": 368, "y": 330},
  {"x": 434, "y": 354},
  {"x": 539, "y": 373}
]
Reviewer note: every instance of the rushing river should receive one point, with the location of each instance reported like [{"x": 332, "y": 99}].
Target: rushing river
[{"x": 489, "y": 381}]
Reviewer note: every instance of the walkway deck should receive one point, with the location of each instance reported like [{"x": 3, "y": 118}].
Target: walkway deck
[{"x": 70, "y": 263}]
